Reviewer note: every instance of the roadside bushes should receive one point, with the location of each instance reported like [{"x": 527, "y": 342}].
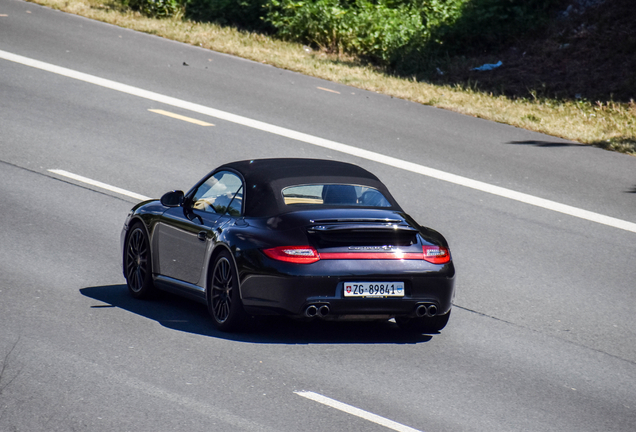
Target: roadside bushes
[
  {"x": 488, "y": 24},
  {"x": 390, "y": 31},
  {"x": 244, "y": 14},
  {"x": 376, "y": 30},
  {"x": 156, "y": 8},
  {"x": 406, "y": 36}
]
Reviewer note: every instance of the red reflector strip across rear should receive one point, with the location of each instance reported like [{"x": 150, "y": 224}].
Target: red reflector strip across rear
[
  {"x": 309, "y": 255},
  {"x": 371, "y": 255}
]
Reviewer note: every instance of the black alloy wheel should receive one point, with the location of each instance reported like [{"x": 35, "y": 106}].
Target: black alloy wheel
[
  {"x": 138, "y": 264},
  {"x": 427, "y": 325},
  {"x": 224, "y": 301}
]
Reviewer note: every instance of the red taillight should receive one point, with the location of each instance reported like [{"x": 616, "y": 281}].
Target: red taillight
[
  {"x": 435, "y": 254},
  {"x": 293, "y": 254}
]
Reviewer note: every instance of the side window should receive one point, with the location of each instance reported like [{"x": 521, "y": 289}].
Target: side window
[{"x": 219, "y": 194}]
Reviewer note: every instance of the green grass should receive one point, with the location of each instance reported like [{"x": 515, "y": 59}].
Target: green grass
[{"x": 609, "y": 125}]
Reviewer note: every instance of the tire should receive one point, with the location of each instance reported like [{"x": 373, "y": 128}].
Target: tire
[
  {"x": 224, "y": 300},
  {"x": 428, "y": 325},
  {"x": 138, "y": 263}
]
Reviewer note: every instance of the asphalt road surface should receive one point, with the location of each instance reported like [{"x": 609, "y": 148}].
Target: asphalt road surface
[{"x": 542, "y": 230}]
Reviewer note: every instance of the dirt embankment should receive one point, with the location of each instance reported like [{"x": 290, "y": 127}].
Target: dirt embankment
[{"x": 587, "y": 51}]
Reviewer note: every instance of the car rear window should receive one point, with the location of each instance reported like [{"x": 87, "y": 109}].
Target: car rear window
[{"x": 334, "y": 194}]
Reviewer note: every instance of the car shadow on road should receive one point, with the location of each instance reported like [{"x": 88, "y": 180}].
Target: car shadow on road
[
  {"x": 188, "y": 316},
  {"x": 538, "y": 143}
]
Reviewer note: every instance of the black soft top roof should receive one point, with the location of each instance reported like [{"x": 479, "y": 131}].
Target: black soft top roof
[{"x": 265, "y": 179}]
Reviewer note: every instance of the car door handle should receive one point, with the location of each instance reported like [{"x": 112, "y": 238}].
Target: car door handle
[{"x": 202, "y": 235}]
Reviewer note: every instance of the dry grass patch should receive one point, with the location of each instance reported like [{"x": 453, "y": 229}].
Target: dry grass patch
[{"x": 608, "y": 125}]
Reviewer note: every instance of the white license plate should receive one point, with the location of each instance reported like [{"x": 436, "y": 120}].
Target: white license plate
[{"x": 374, "y": 289}]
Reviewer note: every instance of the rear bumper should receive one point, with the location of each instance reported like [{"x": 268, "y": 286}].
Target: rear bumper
[{"x": 293, "y": 288}]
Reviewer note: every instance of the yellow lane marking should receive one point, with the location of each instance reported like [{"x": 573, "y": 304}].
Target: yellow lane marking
[
  {"x": 325, "y": 89},
  {"x": 180, "y": 117}
]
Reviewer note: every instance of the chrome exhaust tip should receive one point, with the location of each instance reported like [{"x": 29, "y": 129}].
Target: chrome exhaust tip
[
  {"x": 323, "y": 310},
  {"x": 421, "y": 311},
  {"x": 311, "y": 311},
  {"x": 432, "y": 310}
]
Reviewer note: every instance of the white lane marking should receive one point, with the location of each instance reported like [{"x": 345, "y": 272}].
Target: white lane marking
[
  {"x": 356, "y": 411},
  {"x": 328, "y": 144},
  {"x": 98, "y": 184},
  {"x": 180, "y": 117}
]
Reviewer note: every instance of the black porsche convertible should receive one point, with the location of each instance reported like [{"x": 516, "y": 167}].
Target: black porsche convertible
[{"x": 307, "y": 238}]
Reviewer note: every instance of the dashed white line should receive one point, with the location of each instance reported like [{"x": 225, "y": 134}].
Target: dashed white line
[
  {"x": 99, "y": 184},
  {"x": 349, "y": 409},
  {"x": 332, "y": 145}
]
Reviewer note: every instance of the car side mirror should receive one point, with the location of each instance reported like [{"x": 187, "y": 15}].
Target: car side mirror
[{"x": 172, "y": 199}]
